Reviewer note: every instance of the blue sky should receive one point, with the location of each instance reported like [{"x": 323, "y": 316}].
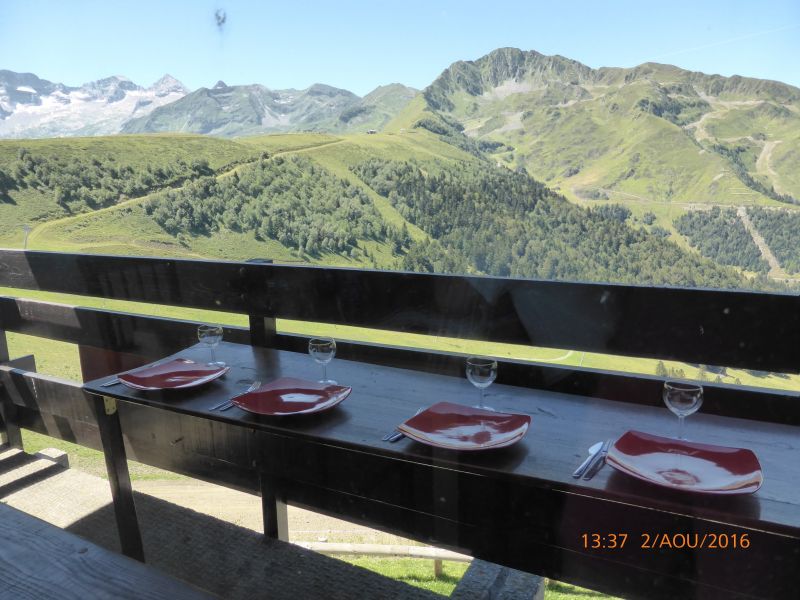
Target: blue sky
[{"x": 359, "y": 45}]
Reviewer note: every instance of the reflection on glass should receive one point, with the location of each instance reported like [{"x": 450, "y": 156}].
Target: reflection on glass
[
  {"x": 211, "y": 336},
  {"x": 683, "y": 399},
  {"x": 481, "y": 372},
  {"x": 322, "y": 350}
]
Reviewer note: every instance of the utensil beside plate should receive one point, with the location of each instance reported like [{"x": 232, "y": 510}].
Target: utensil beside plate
[
  {"x": 597, "y": 461},
  {"x": 458, "y": 427},
  {"x": 684, "y": 465},
  {"x": 228, "y": 403},
  {"x": 178, "y": 373},
  {"x": 594, "y": 449},
  {"x": 289, "y": 396}
]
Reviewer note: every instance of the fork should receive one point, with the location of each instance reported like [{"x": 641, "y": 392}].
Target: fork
[
  {"x": 396, "y": 435},
  {"x": 226, "y": 404}
]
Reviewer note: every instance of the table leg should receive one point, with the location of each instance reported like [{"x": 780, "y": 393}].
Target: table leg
[
  {"x": 117, "y": 466},
  {"x": 273, "y": 508}
]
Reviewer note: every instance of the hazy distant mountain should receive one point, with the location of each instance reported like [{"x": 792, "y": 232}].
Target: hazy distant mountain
[
  {"x": 653, "y": 132},
  {"x": 34, "y": 107},
  {"x": 31, "y": 107},
  {"x": 247, "y": 109},
  {"x": 250, "y": 109},
  {"x": 377, "y": 108}
]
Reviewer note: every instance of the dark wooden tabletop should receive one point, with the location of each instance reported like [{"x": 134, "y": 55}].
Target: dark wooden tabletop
[{"x": 563, "y": 427}]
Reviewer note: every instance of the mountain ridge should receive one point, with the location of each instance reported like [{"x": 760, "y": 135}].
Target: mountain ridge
[
  {"x": 32, "y": 107},
  {"x": 654, "y": 132}
]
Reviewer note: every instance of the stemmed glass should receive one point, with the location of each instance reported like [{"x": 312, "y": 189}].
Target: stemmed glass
[
  {"x": 211, "y": 336},
  {"x": 322, "y": 350},
  {"x": 481, "y": 372},
  {"x": 683, "y": 399}
]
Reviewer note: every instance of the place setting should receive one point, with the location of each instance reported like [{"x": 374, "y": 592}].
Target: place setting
[
  {"x": 676, "y": 462},
  {"x": 462, "y": 427},
  {"x": 177, "y": 373},
  {"x": 287, "y": 396},
  {"x": 283, "y": 396}
]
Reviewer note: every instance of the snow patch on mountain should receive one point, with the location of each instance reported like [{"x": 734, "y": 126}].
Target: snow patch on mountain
[{"x": 33, "y": 107}]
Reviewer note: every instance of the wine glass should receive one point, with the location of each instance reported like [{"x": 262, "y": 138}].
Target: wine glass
[
  {"x": 683, "y": 399},
  {"x": 481, "y": 372},
  {"x": 322, "y": 350},
  {"x": 211, "y": 336}
]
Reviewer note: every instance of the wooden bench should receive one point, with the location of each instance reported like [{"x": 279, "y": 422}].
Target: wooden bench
[{"x": 40, "y": 561}]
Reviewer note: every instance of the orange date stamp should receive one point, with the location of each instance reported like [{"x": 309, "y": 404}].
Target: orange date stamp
[{"x": 661, "y": 541}]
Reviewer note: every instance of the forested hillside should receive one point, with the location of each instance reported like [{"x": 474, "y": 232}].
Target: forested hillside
[
  {"x": 289, "y": 200},
  {"x": 42, "y": 180},
  {"x": 721, "y": 236},
  {"x": 505, "y": 223},
  {"x": 76, "y": 183},
  {"x": 425, "y": 200},
  {"x": 780, "y": 230}
]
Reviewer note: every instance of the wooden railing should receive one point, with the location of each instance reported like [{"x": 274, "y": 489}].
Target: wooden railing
[
  {"x": 713, "y": 327},
  {"x": 741, "y": 329}
]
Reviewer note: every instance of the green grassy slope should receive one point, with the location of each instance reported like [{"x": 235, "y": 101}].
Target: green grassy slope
[
  {"x": 30, "y": 205},
  {"x": 646, "y": 137},
  {"x": 126, "y": 228}
]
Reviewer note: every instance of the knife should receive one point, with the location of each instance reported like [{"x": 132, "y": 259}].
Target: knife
[
  {"x": 598, "y": 461},
  {"x": 594, "y": 450}
]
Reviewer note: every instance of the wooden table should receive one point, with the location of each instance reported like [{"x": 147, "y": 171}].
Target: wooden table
[
  {"x": 518, "y": 506},
  {"x": 40, "y": 561}
]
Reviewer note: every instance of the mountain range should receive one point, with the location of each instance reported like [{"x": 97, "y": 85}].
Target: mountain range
[
  {"x": 34, "y": 107},
  {"x": 653, "y": 133},
  {"x": 31, "y": 107}
]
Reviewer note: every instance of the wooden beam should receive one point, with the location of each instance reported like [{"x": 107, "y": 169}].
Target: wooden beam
[
  {"x": 112, "y": 341},
  {"x": 273, "y": 507},
  {"x": 118, "y": 477},
  {"x": 262, "y": 331},
  {"x": 11, "y": 433},
  {"x": 714, "y": 327},
  {"x": 110, "y": 330},
  {"x": 9, "y": 412},
  {"x": 4, "y": 356}
]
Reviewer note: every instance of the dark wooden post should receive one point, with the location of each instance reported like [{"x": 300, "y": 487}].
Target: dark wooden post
[
  {"x": 3, "y": 347},
  {"x": 274, "y": 510},
  {"x": 3, "y": 358},
  {"x": 118, "y": 477},
  {"x": 273, "y": 506},
  {"x": 9, "y": 431},
  {"x": 262, "y": 331}
]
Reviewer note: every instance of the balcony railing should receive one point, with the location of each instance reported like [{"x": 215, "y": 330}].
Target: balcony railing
[{"x": 730, "y": 328}]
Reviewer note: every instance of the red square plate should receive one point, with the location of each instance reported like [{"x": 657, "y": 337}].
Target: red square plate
[
  {"x": 175, "y": 374},
  {"x": 288, "y": 396},
  {"x": 459, "y": 427},
  {"x": 683, "y": 465}
]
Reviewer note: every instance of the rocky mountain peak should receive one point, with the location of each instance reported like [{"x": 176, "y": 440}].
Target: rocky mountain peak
[{"x": 168, "y": 85}]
